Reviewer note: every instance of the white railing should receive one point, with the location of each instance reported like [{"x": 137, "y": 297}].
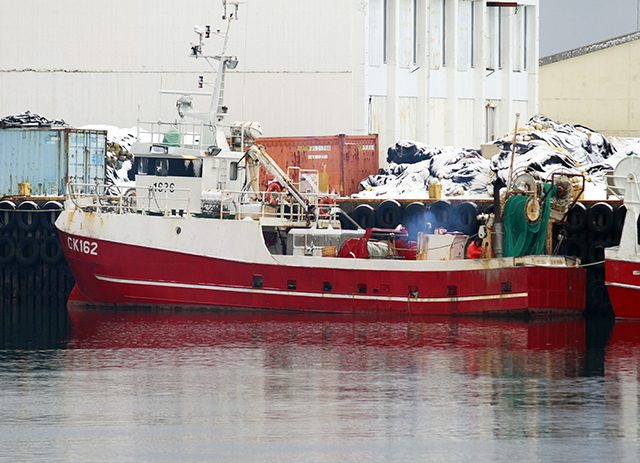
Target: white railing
[
  {"x": 124, "y": 200},
  {"x": 189, "y": 133},
  {"x": 265, "y": 206}
]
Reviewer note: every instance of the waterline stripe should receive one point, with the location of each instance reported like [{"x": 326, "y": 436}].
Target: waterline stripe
[
  {"x": 622, "y": 285},
  {"x": 367, "y": 297}
]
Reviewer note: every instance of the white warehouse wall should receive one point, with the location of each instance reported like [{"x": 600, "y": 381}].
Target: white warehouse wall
[{"x": 306, "y": 67}]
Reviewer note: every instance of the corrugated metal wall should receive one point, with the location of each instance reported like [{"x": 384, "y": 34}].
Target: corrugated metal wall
[{"x": 307, "y": 68}]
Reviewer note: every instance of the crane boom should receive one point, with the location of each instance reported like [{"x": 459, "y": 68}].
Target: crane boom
[{"x": 259, "y": 154}]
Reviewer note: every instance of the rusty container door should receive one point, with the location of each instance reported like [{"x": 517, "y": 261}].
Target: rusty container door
[
  {"x": 360, "y": 159},
  {"x": 86, "y": 155},
  {"x": 342, "y": 161}
]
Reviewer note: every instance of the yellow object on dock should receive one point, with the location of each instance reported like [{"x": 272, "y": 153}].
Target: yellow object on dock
[
  {"x": 435, "y": 191},
  {"x": 24, "y": 189}
]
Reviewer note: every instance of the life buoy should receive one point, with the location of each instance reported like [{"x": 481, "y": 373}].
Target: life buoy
[
  {"x": 27, "y": 252},
  {"x": 274, "y": 193},
  {"x": 325, "y": 204},
  {"x": 7, "y": 250},
  {"x": 51, "y": 250}
]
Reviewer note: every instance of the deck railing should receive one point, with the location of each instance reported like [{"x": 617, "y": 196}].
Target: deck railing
[{"x": 263, "y": 206}]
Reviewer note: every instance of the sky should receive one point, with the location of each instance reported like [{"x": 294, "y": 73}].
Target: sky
[{"x": 568, "y": 24}]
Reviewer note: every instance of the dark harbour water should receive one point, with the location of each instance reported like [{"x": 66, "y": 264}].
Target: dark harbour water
[{"x": 244, "y": 387}]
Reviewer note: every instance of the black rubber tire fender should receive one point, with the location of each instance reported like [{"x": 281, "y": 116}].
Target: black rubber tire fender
[
  {"x": 48, "y": 219},
  {"x": 466, "y": 218},
  {"x": 389, "y": 214},
  {"x": 345, "y": 223},
  {"x": 364, "y": 215},
  {"x": 598, "y": 299},
  {"x": 596, "y": 252},
  {"x": 441, "y": 213},
  {"x": 576, "y": 218},
  {"x": 7, "y": 250},
  {"x": 27, "y": 252},
  {"x": 576, "y": 246},
  {"x": 51, "y": 250},
  {"x": 7, "y": 217},
  {"x": 414, "y": 219},
  {"x": 600, "y": 218},
  {"x": 28, "y": 219}
]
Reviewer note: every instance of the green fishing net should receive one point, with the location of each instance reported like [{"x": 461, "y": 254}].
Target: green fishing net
[{"x": 522, "y": 238}]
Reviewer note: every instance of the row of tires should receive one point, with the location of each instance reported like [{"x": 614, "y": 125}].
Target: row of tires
[
  {"x": 417, "y": 216},
  {"x": 601, "y": 219},
  {"x": 589, "y": 253},
  {"x": 29, "y": 251},
  {"x": 28, "y": 216}
]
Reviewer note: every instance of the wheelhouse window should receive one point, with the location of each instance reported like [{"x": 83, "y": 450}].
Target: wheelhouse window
[
  {"x": 143, "y": 166},
  {"x": 163, "y": 167},
  {"x": 233, "y": 171}
]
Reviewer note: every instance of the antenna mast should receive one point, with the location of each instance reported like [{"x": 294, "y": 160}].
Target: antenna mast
[{"x": 217, "y": 109}]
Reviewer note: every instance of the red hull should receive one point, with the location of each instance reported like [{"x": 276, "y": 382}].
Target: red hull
[
  {"x": 135, "y": 276},
  {"x": 623, "y": 284}
]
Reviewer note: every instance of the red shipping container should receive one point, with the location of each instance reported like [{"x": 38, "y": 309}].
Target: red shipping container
[{"x": 342, "y": 161}]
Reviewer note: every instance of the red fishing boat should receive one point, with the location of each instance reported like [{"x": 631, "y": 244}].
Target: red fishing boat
[
  {"x": 197, "y": 231},
  {"x": 622, "y": 262}
]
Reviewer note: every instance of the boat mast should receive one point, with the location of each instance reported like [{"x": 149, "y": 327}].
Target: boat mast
[{"x": 217, "y": 110}]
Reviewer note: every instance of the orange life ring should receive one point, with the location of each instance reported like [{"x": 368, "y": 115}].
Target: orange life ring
[
  {"x": 274, "y": 193},
  {"x": 325, "y": 203}
]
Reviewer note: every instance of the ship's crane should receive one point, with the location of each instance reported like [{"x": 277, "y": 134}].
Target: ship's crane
[{"x": 258, "y": 154}]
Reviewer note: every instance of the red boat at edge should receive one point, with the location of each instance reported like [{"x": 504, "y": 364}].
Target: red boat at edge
[{"x": 622, "y": 262}]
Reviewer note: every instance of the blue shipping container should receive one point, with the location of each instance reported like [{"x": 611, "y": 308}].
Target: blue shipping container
[{"x": 49, "y": 158}]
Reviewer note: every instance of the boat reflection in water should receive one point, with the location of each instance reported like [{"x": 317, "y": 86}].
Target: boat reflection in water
[
  {"x": 165, "y": 329},
  {"x": 265, "y": 386}
]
